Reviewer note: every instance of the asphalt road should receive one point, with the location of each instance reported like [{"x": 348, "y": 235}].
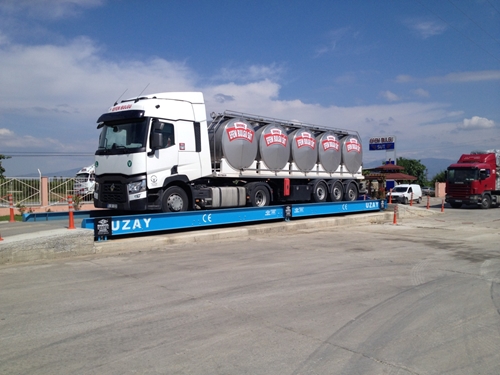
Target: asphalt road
[{"x": 420, "y": 297}]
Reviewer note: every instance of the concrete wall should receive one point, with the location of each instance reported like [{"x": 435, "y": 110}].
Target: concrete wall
[{"x": 440, "y": 188}]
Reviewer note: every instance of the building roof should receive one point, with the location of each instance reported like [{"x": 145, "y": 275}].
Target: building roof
[
  {"x": 390, "y": 176},
  {"x": 387, "y": 167}
]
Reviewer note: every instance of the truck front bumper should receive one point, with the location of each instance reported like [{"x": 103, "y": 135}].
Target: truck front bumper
[{"x": 472, "y": 199}]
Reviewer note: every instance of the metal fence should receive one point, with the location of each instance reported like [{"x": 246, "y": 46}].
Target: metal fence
[{"x": 27, "y": 191}]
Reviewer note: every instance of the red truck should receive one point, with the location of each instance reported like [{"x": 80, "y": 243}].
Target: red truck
[{"x": 474, "y": 180}]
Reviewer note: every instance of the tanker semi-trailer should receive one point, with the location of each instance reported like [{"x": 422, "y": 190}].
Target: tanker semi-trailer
[{"x": 157, "y": 152}]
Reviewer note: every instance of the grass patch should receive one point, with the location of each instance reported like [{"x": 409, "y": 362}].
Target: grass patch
[{"x": 7, "y": 218}]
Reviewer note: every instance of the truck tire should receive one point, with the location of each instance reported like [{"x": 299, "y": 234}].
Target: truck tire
[
  {"x": 486, "y": 202},
  {"x": 405, "y": 200},
  {"x": 259, "y": 195},
  {"x": 320, "y": 191},
  {"x": 174, "y": 199},
  {"x": 336, "y": 191},
  {"x": 351, "y": 192},
  {"x": 455, "y": 204}
]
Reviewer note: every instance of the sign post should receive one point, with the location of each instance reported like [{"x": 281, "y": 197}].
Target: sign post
[{"x": 387, "y": 143}]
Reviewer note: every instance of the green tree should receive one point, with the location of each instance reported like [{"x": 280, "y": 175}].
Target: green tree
[
  {"x": 440, "y": 177},
  {"x": 2, "y": 169},
  {"x": 413, "y": 168}
]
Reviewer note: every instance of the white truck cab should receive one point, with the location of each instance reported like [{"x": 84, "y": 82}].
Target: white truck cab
[
  {"x": 404, "y": 193},
  {"x": 85, "y": 181}
]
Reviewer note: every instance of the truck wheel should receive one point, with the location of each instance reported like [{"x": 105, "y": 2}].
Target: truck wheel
[
  {"x": 259, "y": 196},
  {"x": 351, "y": 192},
  {"x": 455, "y": 204},
  {"x": 405, "y": 200},
  {"x": 486, "y": 202},
  {"x": 336, "y": 192},
  {"x": 320, "y": 191},
  {"x": 174, "y": 200}
]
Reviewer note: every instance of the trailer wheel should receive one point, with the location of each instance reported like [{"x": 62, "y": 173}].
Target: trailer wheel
[
  {"x": 259, "y": 196},
  {"x": 320, "y": 191},
  {"x": 486, "y": 202},
  {"x": 336, "y": 192},
  {"x": 351, "y": 192},
  {"x": 174, "y": 200}
]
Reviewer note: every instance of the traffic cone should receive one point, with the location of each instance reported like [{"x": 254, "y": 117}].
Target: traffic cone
[
  {"x": 390, "y": 196},
  {"x": 395, "y": 220},
  {"x": 411, "y": 199},
  {"x": 442, "y": 206},
  {"x": 428, "y": 201},
  {"x": 71, "y": 217},
  {"x": 1, "y": 239},
  {"x": 11, "y": 207}
]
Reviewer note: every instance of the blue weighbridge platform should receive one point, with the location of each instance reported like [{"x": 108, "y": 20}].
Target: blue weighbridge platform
[{"x": 111, "y": 226}]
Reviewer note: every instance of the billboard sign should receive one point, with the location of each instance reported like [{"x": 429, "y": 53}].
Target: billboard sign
[{"x": 382, "y": 143}]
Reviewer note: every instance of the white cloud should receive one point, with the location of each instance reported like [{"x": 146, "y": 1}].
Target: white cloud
[
  {"x": 51, "y": 97},
  {"x": 5, "y": 133},
  {"x": 476, "y": 123},
  {"x": 403, "y": 78},
  {"x": 421, "y": 93},
  {"x": 47, "y": 9},
  {"x": 478, "y": 76},
  {"x": 389, "y": 96},
  {"x": 426, "y": 29},
  {"x": 250, "y": 73}
]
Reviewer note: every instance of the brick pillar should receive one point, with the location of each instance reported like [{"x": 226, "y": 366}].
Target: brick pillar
[{"x": 44, "y": 191}]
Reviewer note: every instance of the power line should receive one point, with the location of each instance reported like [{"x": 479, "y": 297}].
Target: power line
[
  {"x": 457, "y": 30},
  {"x": 475, "y": 23},
  {"x": 489, "y": 2}
]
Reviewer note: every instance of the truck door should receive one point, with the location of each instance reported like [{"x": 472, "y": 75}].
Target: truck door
[{"x": 164, "y": 157}]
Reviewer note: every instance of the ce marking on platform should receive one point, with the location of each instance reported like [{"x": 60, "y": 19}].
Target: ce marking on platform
[
  {"x": 207, "y": 218},
  {"x": 344, "y": 207}
]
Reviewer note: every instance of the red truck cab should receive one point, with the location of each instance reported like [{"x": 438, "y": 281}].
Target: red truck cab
[{"x": 474, "y": 180}]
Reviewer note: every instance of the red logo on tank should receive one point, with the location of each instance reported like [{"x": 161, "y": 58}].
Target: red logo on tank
[
  {"x": 275, "y": 137},
  {"x": 330, "y": 143},
  {"x": 306, "y": 140},
  {"x": 240, "y": 131},
  {"x": 352, "y": 145}
]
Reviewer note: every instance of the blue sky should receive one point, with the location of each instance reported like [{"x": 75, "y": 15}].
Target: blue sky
[{"x": 425, "y": 71}]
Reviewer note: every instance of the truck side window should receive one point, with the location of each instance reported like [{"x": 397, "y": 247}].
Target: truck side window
[{"x": 168, "y": 135}]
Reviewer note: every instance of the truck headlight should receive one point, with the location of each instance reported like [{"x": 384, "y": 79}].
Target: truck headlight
[{"x": 137, "y": 187}]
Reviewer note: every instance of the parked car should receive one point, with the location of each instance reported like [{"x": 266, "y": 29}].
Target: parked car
[{"x": 427, "y": 190}]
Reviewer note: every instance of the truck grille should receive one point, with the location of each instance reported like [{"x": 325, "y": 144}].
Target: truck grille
[
  {"x": 458, "y": 191},
  {"x": 114, "y": 192}
]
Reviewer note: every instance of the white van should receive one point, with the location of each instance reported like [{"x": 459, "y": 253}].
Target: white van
[{"x": 403, "y": 193}]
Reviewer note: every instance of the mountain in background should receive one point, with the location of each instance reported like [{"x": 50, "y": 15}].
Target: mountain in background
[
  {"x": 65, "y": 173},
  {"x": 433, "y": 165}
]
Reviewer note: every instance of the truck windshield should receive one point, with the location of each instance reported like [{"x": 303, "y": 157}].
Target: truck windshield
[
  {"x": 460, "y": 176},
  {"x": 126, "y": 137}
]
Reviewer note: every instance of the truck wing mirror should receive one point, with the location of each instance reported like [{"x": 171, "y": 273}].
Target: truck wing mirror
[{"x": 156, "y": 135}]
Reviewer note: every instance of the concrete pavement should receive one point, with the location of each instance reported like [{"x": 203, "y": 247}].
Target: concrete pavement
[{"x": 418, "y": 298}]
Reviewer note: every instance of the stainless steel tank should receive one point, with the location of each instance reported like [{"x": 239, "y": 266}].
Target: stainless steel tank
[
  {"x": 352, "y": 153},
  {"x": 304, "y": 150},
  {"x": 236, "y": 141},
  {"x": 274, "y": 146},
  {"x": 329, "y": 153}
]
